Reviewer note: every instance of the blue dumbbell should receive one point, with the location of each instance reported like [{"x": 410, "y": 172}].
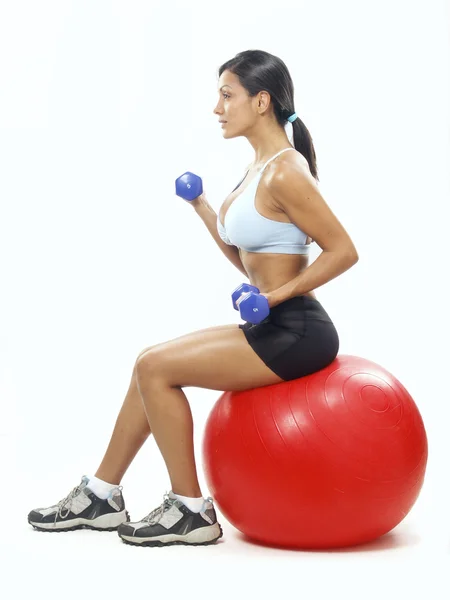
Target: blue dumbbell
[
  {"x": 253, "y": 307},
  {"x": 242, "y": 289},
  {"x": 188, "y": 186}
]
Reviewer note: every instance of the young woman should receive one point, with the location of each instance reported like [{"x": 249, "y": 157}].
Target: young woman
[{"x": 265, "y": 228}]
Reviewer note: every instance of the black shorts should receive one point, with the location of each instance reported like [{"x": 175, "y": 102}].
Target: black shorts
[{"x": 296, "y": 339}]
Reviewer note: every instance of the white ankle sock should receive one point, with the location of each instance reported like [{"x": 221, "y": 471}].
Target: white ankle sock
[
  {"x": 194, "y": 504},
  {"x": 100, "y": 488}
]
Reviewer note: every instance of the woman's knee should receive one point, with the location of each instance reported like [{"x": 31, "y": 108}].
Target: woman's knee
[
  {"x": 143, "y": 352},
  {"x": 138, "y": 360},
  {"x": 149, "y": 361}
]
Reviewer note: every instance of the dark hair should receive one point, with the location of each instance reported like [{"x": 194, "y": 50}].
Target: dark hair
[{"x": 258, "y": 70}]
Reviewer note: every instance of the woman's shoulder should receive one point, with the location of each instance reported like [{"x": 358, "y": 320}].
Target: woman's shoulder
[
  {"x": 290, "y": 158},
  {"x": 285, "y": 163}
]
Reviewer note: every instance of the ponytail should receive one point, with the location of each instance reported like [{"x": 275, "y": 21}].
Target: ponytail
[{"x": 304, "y": 144}]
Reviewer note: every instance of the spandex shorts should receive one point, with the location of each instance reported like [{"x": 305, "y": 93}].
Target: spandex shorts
[{"x": 296, "y": 339}]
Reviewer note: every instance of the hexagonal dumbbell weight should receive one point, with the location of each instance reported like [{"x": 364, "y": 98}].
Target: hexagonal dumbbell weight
[
  {"x": 242, "y": 289},
  {"x": 188, "y": 186},
  {"x": 253, "y": 307}
]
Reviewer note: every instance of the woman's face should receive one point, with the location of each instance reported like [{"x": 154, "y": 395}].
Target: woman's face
[{"x": 234, "y": 106}]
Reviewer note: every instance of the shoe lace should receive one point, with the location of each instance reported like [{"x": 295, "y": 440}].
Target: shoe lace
[
  {"x": 155, "y": 515},
  {"x": 67, "y": 500}
]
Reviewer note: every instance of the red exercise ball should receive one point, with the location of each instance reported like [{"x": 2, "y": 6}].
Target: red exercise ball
[{"x": 333, "y": 459}]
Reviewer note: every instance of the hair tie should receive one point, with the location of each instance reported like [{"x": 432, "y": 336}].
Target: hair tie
[{"x": 293, "y": 117}]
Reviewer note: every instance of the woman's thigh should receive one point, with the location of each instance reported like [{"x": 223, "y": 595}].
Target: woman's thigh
[
  {"x": 218, "y": 359},
  {"x": 199, "y": 332}
]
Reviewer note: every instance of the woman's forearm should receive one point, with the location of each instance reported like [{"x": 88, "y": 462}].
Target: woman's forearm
[
  {"x": 326, "y": 267},
  {"x": 209, "y": 217}
]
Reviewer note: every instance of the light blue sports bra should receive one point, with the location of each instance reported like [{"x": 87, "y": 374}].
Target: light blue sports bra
[{"x": 251, "y": 231}]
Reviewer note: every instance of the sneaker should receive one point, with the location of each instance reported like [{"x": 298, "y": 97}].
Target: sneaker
[
  {"x": 173, "y": 523},
  {"x": 82, "y": 509}
]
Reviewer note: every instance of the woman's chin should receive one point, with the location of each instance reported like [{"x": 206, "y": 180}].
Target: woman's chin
[{"x": 227, "y": 134}]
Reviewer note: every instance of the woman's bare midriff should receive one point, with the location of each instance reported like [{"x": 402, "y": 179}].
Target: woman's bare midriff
[{"x": 268, "y": 272}]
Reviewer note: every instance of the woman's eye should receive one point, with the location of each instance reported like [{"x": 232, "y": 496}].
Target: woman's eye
[{"x": 226, "y": 96}]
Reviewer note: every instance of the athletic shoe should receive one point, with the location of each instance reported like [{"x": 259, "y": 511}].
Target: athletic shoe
[
  {"x": 82, "y": 509},
  {"x": 174, "y": 523}
]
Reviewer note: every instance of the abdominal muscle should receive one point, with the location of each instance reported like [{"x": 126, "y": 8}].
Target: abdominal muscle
[{"x": 268, "y": 272}]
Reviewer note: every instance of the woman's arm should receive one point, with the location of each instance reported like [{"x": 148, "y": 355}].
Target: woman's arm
[
  {"x": 295, "y": 191},
  {"x": 209, "y": 217}
]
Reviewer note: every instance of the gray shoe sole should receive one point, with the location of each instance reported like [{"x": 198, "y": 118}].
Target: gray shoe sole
[{"x": 203, "y": 536}]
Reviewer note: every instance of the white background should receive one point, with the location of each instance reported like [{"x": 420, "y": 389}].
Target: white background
[{"x": 103, "y": 104}]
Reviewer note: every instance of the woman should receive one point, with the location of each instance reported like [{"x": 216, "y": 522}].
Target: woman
[{"x": 264, "y": 228}]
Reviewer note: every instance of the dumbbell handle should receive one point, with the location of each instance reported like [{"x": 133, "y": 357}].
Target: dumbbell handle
[
  {"x": 245, "y": 287},
  {"x": 242, "y": 296},
  {"x": 248, "y": 300}
]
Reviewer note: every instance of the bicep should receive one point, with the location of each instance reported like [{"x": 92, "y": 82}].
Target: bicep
[{"x": 296, "y": 192}]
